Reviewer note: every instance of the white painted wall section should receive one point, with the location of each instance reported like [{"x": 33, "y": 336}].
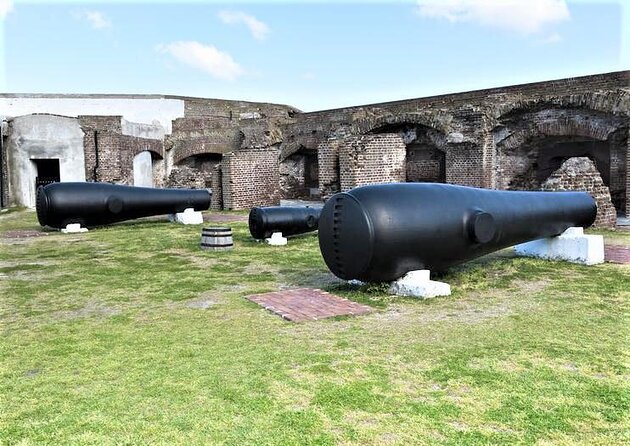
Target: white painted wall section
[
  {"x": 43, "y": 137},
  {"x": 143, "y": 169},
  {"x": 134, "y": 109}
]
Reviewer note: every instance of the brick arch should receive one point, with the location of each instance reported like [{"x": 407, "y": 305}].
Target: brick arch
[
  {"x": 155, "y": 154},
  {"x": 181, "y": 153},
  {"x": 369, "y": 125}
]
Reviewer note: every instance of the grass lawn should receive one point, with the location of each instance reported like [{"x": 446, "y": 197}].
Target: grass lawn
[{"x": 131, "y": 335}]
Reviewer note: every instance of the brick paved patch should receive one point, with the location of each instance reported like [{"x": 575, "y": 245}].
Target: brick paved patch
[
  {"x": 307, "y": 304},
  {"x": 23, "y": 233},
  {"x": 617, "y": 254},
  {"x": 224, "y": 218}
]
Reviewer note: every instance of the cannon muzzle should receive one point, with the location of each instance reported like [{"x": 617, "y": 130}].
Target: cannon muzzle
[
  {"x": 380, "y": 232},
  {"x": 97, "y": 204},
  {"x": 264, "y": 221}
]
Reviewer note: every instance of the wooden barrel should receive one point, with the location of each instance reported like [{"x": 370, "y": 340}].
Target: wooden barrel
[{"x": 216, "y": 239}]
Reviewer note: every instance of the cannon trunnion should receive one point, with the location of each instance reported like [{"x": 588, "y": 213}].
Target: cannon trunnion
[
  {"x": 97, "y": 204},
  {"x": 380, "y": 232}
]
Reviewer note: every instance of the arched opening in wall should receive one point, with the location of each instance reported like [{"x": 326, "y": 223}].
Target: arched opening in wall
[
  {"x": 529, "y": 165},
  {"x": 148, "y": 169},
  {"x": 299, "y": 175},
  {"x": 425, "y": 161},
  {"x": 195, "y": 171},
  {"x": 533, "y": 143}
]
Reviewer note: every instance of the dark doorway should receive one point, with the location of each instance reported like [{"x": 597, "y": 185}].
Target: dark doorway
[{"x": 47, "y": 171}]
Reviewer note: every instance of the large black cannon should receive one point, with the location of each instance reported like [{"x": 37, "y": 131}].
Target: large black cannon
[
  {"x": 97, "y": 204},
  {"x": 264, "y": 221},
  {"x": 380, "y": 232}
]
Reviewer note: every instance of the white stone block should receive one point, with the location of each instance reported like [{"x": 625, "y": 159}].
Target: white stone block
[
  {"x": 276, "y": 239},
  {"x": 418, "y": 284},
  {"x": 188, "y": 217},
  {"x": 571, "y": 246},
  {"x": 73, "y": 229}
]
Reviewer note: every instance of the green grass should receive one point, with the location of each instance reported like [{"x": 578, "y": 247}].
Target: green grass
[{"x": 132, "y": 335}]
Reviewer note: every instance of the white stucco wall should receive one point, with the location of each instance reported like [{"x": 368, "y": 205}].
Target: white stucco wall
[
  {"x": 43, "y": 137},
  {"x": 143, "y": 169},
  {"x": 140, "y": 130},
  {"x": 135, "y": 109}
]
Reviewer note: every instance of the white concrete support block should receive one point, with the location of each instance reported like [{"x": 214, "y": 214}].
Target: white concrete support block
[
  {"x": 188, "y": 217},
  {"x": 571, "y": 246},
  {"x": 419, "y": 284},
  {"x": 73, "y": 229},
  {"x": 276, "y": 239}
]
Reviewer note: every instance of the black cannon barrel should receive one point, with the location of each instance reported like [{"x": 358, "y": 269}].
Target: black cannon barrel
[
  {"x": 97, "y": 204},
  {"x": 264, "y": 221},
  {"x": 380, "y": 232}
]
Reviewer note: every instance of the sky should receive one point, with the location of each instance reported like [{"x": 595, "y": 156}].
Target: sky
[{"x": 314, "y": 56}]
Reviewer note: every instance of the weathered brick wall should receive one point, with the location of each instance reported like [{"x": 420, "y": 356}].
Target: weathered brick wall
[
  {"x": 217, "y": 188},
  {"x": 464, "y": 166},
  {"x": 250, "y": 178},
  {"x": 115, "y": 150},
  {"x": 4, "y": 173},
  {"x": 426, "y": 164},
  {"x": 487, "y": 135},
  {"x": 92, "y": 126},
  {"x": 371, "y": 159},
  {"x": 328, "y": 161},
  {"x": 580, "y": 174},
  {"x": 186, "y": 177}
]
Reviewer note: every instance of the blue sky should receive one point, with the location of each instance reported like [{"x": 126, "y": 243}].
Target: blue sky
[{"x": 313, "y": 56}]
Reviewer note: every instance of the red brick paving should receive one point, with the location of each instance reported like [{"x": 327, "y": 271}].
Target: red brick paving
[
  {"x": 224, "y": 218},
  {"x": 307, "y": 304},
  {"x": 23, "y": 233},
  {"x": 617, "y": 254}
]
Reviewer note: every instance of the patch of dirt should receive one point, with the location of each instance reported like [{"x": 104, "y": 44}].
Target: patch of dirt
[
  {"x": 474, "y": 308},
  {"x": 200, "y": 260},
  {"x": 320, "y": 279},
  {"x": 201, "y": 304}
]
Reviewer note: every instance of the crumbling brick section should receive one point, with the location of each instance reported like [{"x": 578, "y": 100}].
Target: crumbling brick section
[
  {"x": 371, "y": 159},
  {"x": 188, "y": 178},
  {"x": 250, "y": 178},
  {"x": 580, "y": 174}
]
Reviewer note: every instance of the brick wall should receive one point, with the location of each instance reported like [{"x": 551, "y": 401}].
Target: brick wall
[
  {"x": 328, "y": 161},
  {"x": 371, "y": 159},
  {"x": 250, "y": 178},
  {"x": 581, "y": 174},
  {"x": 115, "y": 150},
  {"x": 217, "y": 188}
]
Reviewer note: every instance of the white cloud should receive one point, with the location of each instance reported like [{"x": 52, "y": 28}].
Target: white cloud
[
  {"x": 308, "y": 76},
  {"x": 6, "y": 6},
  {"x": 524, "y": 16},
  {"x": 96, "y": 19},
  {"x": 258, "y": 29},
  {"x": 203, "y": 57}
]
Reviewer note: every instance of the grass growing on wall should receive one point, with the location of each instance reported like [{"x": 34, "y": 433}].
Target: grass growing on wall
[{"x": 132, "y": 335}]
